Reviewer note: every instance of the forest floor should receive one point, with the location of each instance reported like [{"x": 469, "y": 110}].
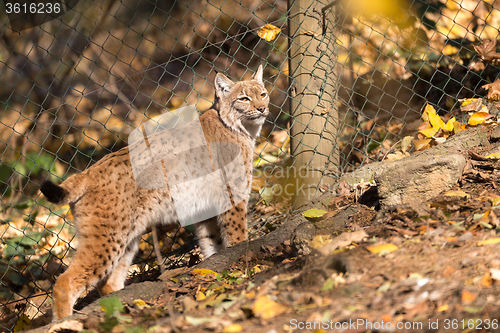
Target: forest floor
[{"x": 431, "y": 266}]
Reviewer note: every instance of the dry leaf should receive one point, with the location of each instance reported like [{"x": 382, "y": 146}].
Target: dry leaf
[
  {"x": 405, "y": 143},
  {"x": 67, "y": 326},
  {"x": 457, "y": 193},
  {"x": 467, "y": 296},
  {"x": 495, "y": 274},
  {"x": 266, "y": 308},
  {"x": 494, "y": 156},
  {"x": 343, "y": 240},
  {"x": 233, "y": 328},
  {"x": 202, "y": 272},
  {"x": 173, "y": 273},
  {"x": 489, "y": 241},
  {"x": 268, "y": 32},
  {"x": 320, "y": 241},
  {"x": 471, "y": 104},
  {"x": 493, "y": 90},
  {"x": 382, "y": 248},
  {"x": 486, "y": 280},
  {"x": 479, "y": 118},
  {"x": 314, "y": 214},
  {"x": 422, "y": 144},
  {"x": 140, "y": 304},
  {"x": 487, "y": 50}
]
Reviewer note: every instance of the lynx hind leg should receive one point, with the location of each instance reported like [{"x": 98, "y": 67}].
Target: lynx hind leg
[
  {"x": 209, "y": 238},
  {"x": 94, "y": 260},
  {"x": 233, "y": 225},
  {"x": 116, "y": 279}
]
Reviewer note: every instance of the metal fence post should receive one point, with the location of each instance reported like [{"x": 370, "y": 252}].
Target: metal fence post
[{"x": 313, "y": 93}]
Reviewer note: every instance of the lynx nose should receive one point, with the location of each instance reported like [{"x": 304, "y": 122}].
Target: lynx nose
[{"x": 261, "y": 109}]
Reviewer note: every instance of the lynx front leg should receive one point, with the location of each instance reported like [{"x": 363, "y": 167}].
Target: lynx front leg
[{"x": 233, "y": 225}]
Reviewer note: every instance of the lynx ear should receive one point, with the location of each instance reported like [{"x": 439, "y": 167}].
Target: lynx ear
[
  {"x": 223, "y": 85},
  {"x": 258, "y": 75}
]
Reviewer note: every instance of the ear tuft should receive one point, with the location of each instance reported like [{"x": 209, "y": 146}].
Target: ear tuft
[
  {"x": 258, "y": 75},
  {"x": 222, "y": 84}
]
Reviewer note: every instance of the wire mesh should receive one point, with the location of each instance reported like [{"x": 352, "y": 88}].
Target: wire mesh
[{"x": 74, "y": 87}]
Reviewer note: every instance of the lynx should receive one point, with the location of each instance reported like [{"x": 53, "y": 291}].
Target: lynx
[{"x": 112, "y": 211}]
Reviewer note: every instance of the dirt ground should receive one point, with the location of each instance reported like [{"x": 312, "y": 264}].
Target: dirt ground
[{"x": 432, "y": 271}]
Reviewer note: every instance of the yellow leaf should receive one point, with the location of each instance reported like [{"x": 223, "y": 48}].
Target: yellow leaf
[
  {"x": 22, "y": 324},
  {"x": 457, "y": 193},
  {"x": 433, "y": 117},
  {"x": 421, "y": 144},
  {"x": 489, "y": 241},
  {"x": 382, "y": 248},
  {"x": 443, "y": 308},
  {"x": 479, "y": 118},
  {"x": 457, "y": 127},
  {"x": 468, "y": 101},
  {"x": 266, "y": 308},
  {"x": 202, "y": 272},
  {"x": 233, "y": 328},
  {"x": 450, "y": 125},
  {"x": 314, "y": 213},
  {"x": 200, "y": 296},
  {"x": 429, "y": 132},
  {"x": 140, "y": 303},
  {"x": 320, "y": 240},
  {"x": 495, "y": 201},
  {"x": 494, "y": 156},
  {"x": 268, "y": 32}
]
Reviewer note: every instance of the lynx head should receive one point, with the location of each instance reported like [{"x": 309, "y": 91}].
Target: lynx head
[{"x": 242, "y": 106}]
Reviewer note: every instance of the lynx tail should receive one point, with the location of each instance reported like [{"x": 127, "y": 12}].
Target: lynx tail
[{"x": 54, "y": 193}]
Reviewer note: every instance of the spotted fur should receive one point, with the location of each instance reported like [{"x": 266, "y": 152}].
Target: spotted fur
[{"x": 111, "y": 212}]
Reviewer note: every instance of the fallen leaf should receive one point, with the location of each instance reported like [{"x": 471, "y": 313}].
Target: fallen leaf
[
  {"x": 457, "y": 193},
  {"x": 268, "y": 32},
  {"x": 488, "y": 242},
  {"x": 468, "y": 101},
  {"x": 199, "y": 321},
  {"x": 266, "y": 308},
  {"x": 479, "y": 118},
  {"x": 202, "y": 272},
  {"x": 343, "y": 240},
  {"x": 421, "y": 144},
  {"x": 233, "y": 328},
  {"x": 382, "y": 248},
  {"x": 386, "y": 318},
  {"x": 493, "y": 90},
  {"x": 24, "y": 323},
  {"x": 140, "y": 303},
  {"x": 471, "y": 104},
  {"x": 443, "y": 308},
  {"x": 494, "y": 156},
  {"x": 405, "y": 143},
  {"x": 486, "y": 280},
  {"x": 467, "y": 296},
  {"x": 314, "y": 213},
  {"x": 320, "y": 241},
  {"x": 67, "y": 326},
  {"x": 200, "y": 296},
  {"x": 172, "y": 273},
  {"x": 487, "y": 50}
]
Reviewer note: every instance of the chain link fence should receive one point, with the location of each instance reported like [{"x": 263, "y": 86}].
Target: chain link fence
[{"x": 347, "y": 81}]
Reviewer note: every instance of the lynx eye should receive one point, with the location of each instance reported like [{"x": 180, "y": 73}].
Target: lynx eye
[
  {"x": 244, "y": 99},
  {"x": 263, "y": 95}
]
